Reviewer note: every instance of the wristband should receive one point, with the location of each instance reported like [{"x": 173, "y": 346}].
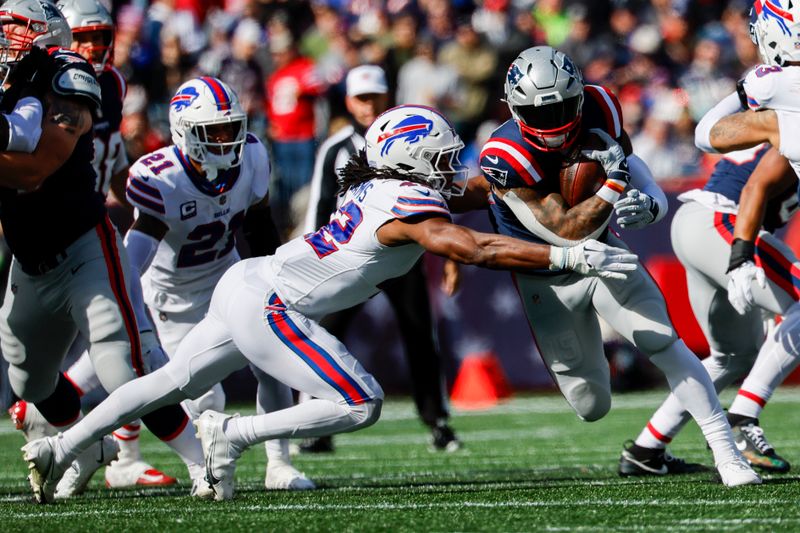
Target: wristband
[
  {"x": 742, "y": 251},
  {"x": 611, "y": 190}
]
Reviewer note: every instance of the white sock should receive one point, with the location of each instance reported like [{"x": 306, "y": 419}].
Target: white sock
[
  {"x": 129, "y": 402},
  {"x": 776, "y": 360},
  {"x": 127, "y": 438},
  {"x": 272, "y": 395},
  {"x": 692, "y": 386},
  {"x": 82, "y": 374},
  {"x": 670, "y": 417},
  {"x": 188, "y": 447},
  {"x": 314, "y": 418}
]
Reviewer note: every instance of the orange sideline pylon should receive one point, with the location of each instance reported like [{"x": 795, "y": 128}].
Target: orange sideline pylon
[{"x": 480, "y": 382}]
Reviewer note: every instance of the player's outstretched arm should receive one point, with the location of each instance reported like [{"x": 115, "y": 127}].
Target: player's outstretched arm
[
  {"x": 65, "y": 121},
  {"x": 463, "y": 245}
]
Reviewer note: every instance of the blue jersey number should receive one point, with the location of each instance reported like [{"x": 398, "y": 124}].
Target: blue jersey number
[
  {"x": 206, "y": 237},
  {"x": 338, "y": 231}
]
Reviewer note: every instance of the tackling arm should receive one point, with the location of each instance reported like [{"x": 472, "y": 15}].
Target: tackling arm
[{"x": 463, "y": 245}]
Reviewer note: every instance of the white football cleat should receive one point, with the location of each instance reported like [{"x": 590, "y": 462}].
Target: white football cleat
[
  {"x": 201, "y": 489},
  {"x": 77, "y": 476},
  {"x": 220, "y": 453},
  {"x": 282, "y": 476},
  {"x": 124, "y": 474},
  {"x": 44, "y": 475},
  {"x": 737, "y": 472},
  {"x": 27, "y": 418}
]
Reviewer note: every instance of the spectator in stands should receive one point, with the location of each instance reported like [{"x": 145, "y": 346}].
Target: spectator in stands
[
  {"x": 475, "y": 62},
  {"x": 291, "y": 92},
  {"x": 422, "y": 81}
]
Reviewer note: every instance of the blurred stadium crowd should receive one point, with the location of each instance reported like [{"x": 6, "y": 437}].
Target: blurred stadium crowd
[{"x": 669, "y": 61}]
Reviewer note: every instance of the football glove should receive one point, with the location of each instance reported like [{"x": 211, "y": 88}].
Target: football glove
[
  {"x": 636, "y": 210},
  {"x": 740, "y": 292},
  {"x": 153, "y": 354},
  {"x": 594, "y": 258},
  {"x": 613, "y": 158}
]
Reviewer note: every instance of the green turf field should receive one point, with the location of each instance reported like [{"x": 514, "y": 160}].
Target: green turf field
[{"x": 528, "y": 465}]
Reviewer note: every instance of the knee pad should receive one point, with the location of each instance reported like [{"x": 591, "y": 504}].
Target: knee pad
[
  {"x": 591, "y": 401},
  {"x": 113, "y": 364}
]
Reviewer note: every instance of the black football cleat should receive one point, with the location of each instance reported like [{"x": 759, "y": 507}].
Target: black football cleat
[
  {"x": 638, "y": 461},
  {"x": 443, "y": 438}
]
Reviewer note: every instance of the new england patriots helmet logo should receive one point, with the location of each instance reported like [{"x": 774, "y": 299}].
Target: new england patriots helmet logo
[
  {"x": 411, "y": 129},
  {"x": 514, "y": 75},
  {"x": 184, "y": 98}
]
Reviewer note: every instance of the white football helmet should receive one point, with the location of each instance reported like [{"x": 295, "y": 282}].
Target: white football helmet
[
  {"x": 776, "y": 31},
  {"x": 418, "y": 140},
  {"x": 85, "y": 16},
  {"x": 198, "y": 107},
  {"x": 544, "y": 91}
]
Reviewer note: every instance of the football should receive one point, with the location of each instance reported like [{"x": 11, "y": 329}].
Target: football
[{"x": 581, "y": 180}]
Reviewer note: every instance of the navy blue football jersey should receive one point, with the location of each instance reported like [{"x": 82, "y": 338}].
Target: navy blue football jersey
[
  {"x": 731, "y": 174},
  {"x": 41, "y": 224},
  {"x": 109, "y": 149},
  {"x": 508, "y": 161}
]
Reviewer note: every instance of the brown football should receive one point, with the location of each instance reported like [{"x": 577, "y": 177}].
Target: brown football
[{"x": 581, "y": 180}]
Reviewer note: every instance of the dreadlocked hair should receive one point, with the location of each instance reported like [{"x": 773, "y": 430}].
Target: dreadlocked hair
[{"x": 358, "y": 171}]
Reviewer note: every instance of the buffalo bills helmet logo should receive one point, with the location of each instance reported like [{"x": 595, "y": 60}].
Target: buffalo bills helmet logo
[
  {"x": 514, "y": 75},
  {"x": 411, "y": 129},
  {"x": 184, "y": 98},
  {"x": 772, "y": 9}
]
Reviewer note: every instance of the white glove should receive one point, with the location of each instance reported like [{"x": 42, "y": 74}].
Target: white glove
[
  {"x": 594, "y": 258},
  {"x": 636, "y": 210},
  {"x": 740, "y": 292},
  {"x": 613, "y": 158},
  {"x": 153, "y": 355}
]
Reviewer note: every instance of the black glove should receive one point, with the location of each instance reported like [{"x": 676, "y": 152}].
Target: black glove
[{"x": 32, "y": 75}]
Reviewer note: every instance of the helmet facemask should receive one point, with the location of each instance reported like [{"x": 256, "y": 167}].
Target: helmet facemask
[
  {"x": 85, "y": 41},
  {"x": 556, "y": 124},
  {"x": 447, "y": 175},
  {"x": 216, "y": 144}
]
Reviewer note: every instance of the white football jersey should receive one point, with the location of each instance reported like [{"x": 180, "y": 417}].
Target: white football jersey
[
  {"x": 200, "y": 244},
  {"x": 342, "y": 264},
  {"x": 778, "y": 88}
]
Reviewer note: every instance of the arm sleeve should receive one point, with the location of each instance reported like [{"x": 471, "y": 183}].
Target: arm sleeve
[
  {"x": 24, "y": 125},
  {"x": 642, "y": 179},
  {"x": 141, "y": 249},
  {"x": 728, "y": 106}
]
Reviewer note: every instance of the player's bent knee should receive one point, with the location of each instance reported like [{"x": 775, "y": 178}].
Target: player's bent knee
[
  {"x": 367, "y": 413},
  {"x": 29, "y": 388},
  {"x": 654, "y": 340},
  {"x": 590, "y": 401}
]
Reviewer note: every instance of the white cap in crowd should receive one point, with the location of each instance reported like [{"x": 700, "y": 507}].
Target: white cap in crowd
[{"x": 366, "y": 79}]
